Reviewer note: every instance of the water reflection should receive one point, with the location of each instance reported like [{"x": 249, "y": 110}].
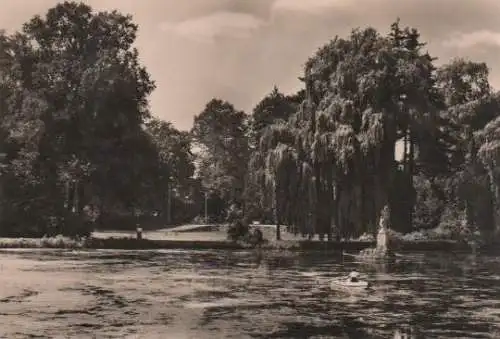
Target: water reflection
[
  {"x": 246, "y": 294},
  {"x": 409, "y": 332}
]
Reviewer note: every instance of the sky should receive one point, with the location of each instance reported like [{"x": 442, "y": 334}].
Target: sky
[{"x": 237, "y": 50}]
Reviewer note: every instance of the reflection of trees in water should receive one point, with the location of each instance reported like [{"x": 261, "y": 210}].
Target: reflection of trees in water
[
  {"x": 258, "y": 257},
  {"x": 273, "y": 262},
  {"x": 408, "y": 332},
  {"x": 403, "y": 293},
  {"x": 455, "y": 264},
  {"x": 281, "y": 261},
  {"x": 378, "y": 267},
  {"x": 352, "y": 328},
  {"x": 470, "y": 266}
]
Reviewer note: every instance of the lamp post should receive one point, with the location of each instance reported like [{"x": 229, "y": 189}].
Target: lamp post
[
  {"x": 206, "y": 208},
  {"x": 2, "y": 202},
  {"x": 169, "y": 201}
]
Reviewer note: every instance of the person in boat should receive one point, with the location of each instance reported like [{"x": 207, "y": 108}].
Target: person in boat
[
  {"x": 353, "y": 277},
  {"x": 352, "y": 280}
]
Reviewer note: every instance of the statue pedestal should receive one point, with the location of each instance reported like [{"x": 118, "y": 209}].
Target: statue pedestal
[
  {"x": 382, "y": 240},
  {"x": 382, "y": 250}
]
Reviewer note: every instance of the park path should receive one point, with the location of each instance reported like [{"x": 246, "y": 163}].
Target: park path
[{"x": 191, "y": 233}]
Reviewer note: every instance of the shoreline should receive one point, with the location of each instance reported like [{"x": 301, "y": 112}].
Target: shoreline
[{"x": 129, "y": 243}]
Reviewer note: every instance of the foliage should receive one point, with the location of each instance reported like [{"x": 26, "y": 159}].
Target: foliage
[
  {"x": 58, "y": 241},
  {"x": 275, "y": 108},
  {"x": 234, "y": 213},
  {"x": 240, "y": 231},
  {"x": 429, "y": 204},
  {"x": 82, "y": 149},
  {"x": 174, "y": 192},
  {"x": 331, "y": 165},
  {"x": 76, "y": 98},
  {"x": 220, "y": 134},
  {"x": 471, "y": 106},
  {"x": 361, "y": 96}
]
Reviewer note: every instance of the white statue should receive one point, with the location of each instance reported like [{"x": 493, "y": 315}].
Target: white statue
[
  {"x": 383, "y": 236},
  {"x": 381, "y": 251}
]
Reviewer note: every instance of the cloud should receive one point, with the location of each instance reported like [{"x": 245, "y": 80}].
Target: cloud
[
  {"x": 311, "y": 6},
  {"x": 216, "y": 25},
  {"x": 467, "y": 40}
]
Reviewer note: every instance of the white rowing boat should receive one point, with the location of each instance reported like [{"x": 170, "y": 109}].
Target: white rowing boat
[{"x": 350, "y": 282}]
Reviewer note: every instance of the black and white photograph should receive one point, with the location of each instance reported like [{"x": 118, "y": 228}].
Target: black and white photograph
[{"x": 250, "y": 169}]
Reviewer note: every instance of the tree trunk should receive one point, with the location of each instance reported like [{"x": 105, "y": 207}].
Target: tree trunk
[
  {"x": 318, "y": 211},
  {"x": 101, "y": 219},
  {"x": 76, "y": 198},
  {"x": 389, "y": 187},
  {"x": 2, "y": 202},
  {"x": 405, "y": 150},
  {"x": 411, "y": 170},
  {"x": 329, "y": 207},
  {"x": 70, "y": 196},
  {"x": 370, "y": 202},
  {"x": 338, "y": 213},
  {"x": 495, "y": 189},
  {"x": 277, "y": 214},
  {"x": 169, "y": 203},
  {"x": 67, "y": 194}
]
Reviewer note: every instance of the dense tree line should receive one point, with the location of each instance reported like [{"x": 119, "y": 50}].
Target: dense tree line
[
  {"x": 82, "y": 149},
  {"x": 331, "y": 166},
  {"x": 323, "y": 161}
]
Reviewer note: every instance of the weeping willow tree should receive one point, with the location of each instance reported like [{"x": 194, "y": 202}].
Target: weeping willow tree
[
  {"x": 489, "y": 154},
  {"x": 274, "y": 167},
  {"x": 363, "y": 94}
]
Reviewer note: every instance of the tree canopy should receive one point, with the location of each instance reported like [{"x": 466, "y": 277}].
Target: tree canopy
[
  {"x": 78, "y": 136},
  {"x": 220, "y": 135}
]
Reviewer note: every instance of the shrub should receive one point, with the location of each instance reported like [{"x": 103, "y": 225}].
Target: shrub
[
  {"x": 234, "y": 213},
  {"x": 366, "y": 237},
  {"x": 58, "y": 241},
  {"x": 237, "y": 230},
  {"x": 240, "y": 231},
  {"x": 429, "y": 204},
  {"x": 453, "y": 223},
  {"x": 198, "y": 220}
]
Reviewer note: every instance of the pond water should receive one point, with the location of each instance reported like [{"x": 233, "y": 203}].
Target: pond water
[{"x": 220, "y": 294}]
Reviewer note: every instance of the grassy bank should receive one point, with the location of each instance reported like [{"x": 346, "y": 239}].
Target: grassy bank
[{"x": 289, "y": 245}]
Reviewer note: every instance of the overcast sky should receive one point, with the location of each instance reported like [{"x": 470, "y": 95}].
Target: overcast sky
[{"x": 238, "y": 50}]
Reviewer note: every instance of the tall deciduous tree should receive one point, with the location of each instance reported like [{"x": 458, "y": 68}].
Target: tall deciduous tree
[
  {"x": 274, "y": 108},
  {"x": 362, "y": 94},
  {"x": 176, "y": 170},
  {"x": 220, "y": 134},
  {"x": 78, "y": 78},
  {"x": 471, "y": 105}
]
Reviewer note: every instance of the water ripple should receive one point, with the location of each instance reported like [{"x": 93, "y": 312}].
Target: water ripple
[{"x": 221, "y": 294}]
